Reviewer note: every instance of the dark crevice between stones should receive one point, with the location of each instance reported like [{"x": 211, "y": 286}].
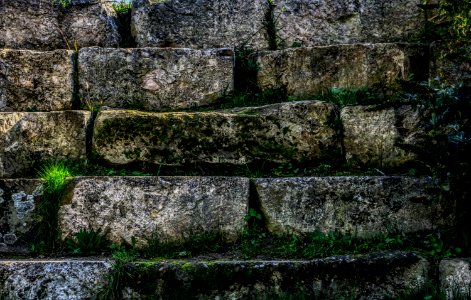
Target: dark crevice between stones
[
  {"x": 89, "y": 135},
  {"x": 76, "y": 103},
  {"x": 123, "y": 21},
  {"x": 256, "y": 205}
]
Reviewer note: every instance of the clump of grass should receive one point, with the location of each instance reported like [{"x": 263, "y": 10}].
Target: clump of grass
[
  {"x": 347, "y": 96},
  {"x": 87, "y": 242},
  {"x": 54, "y": 176}
]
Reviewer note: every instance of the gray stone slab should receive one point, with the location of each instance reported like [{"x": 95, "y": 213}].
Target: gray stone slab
[
  {"x": 52, "y": 279},
  {"x": 309, "y": 71},
  {"x": 48, "y": 25},
  {"x": 27, "y": 140},
  {"x": 295, "y": 131},
  {"x": 168, "y": 208},
  {"x": 383, "y": 138},
  {"x": 374, "y": 276},
  {"x": 227, "y": 23},
  {"x": 362, "y": 206},
  {"x": 35, "y": 81},
  {"x": 154, "y": 79},
  {"x": 455, "y": 278},
  {"x": 19, "y": 199}
]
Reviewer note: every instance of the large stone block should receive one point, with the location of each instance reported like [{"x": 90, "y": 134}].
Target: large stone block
[
  {"x": 363, "y": 206},
  {"x": 48, "y": 25},
  {"x": 154, "y": 79},
  {"x": 35, "y": 81},
  {"x": 29, "y": 139},
  {"x": 308, "y": 71},
  {"x": 296, "y": 131},
  {"x": 52, "y": 279},
  {"x": 374, "y": 276},
  {"x": 455, "y": 278},
  {"x": 19, "y": 199},
  {"x": 169, "y": 208},
  {"x": 227, "y": 23},
  {"x": 383, "y": 138}
]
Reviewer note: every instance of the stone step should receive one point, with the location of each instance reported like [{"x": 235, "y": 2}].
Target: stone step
[
  {"x": 48, "y": 25},
  {"x": 155, "y": 79},
  {"x": 28, "y": 140},
  {"x": 373, "y": 276},
  {"x": 52, "y": 279},
  {"x": 309, "y": 71},
  {"x": 227, "y": 23},
  {"x": 35, "y": 81},
  {"x": 174, "y": 208},
  {"x": 455, "y": 278},
  {"x": 287, "y": 132}
]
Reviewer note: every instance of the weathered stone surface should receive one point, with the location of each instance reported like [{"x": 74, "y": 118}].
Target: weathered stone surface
[
  {"x": 52, "y": 279},
  {"x": 37, "y": 81},
  {"x": 29, "y": 139},
  {"x": 382, "y": 138},
  {"x": 455, "y": 278},
  {"x": 451, "y": 63},
  {"x": 170, "y": 208},
  {"x": 372, "y": 276},
  {"x": 307, "y": 71},
  {"x": 364, "y": 206},
  {"x": 47, "y": 25},
  {"x": 18, "y": 201},
  {"x": 296, "y": 131},
  {"x": 154, "y": 79},
  {"x": 205, "y": 23}
]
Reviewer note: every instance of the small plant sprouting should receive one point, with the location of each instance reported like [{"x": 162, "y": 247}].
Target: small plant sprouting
[
  {"x": 270, "y": 25},
  {"x": 87, "y": 242}
]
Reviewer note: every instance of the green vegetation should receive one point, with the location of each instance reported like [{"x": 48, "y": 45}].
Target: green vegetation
[
  {"x": 123, "y": 9},
  {"x": 119, "y": 274},
  {"x": 87, "y": 242},
  {"x": 348, "y": 96},
  {"x": 54, "y": 176},
  {"x": 271, "y": 27}
]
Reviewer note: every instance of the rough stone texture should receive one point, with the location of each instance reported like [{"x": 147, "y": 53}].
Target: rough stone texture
[
  {"x": 29, "y": 139},
  {"x": 363, "y": 206},
  {"x": 226, "y": 23},
  {"x": 154, "y": 79},
  {"x": 35, "y": 81},
  {"x": 170, "y": 208},
  {"x": 47, "y": 25},
  {"x": 382, "y": 138},
  {"x": 18, "y": 202},
  {"x": 451, "y": 63},
  {"x": 307, "y": 71},
  {"x": 52, "y": 279},
  {"x": 343, "y": 277},
  {"x": 455, "y": 278},
  {"x": 296, "y": 131}
]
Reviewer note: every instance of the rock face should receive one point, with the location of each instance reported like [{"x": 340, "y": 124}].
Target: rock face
[
  {"x": 35, "y": 81},
  {"x": 296, "y": 131},
  {"x": 227, "y": 23},
  {"x": 154, "y": 79},
  {"x": 18, "y": 202},
  {"x": 169, "y": 208},
  {"x": 341, "y": 277},
  {"x": 29, "y": 139},
  {"x": 48, "y": 25},
  {"x": 307, "y": 71},
  {"x": 75, "y": 279},
  {"x": 363, "y": 206},
  {"x": 455, "y": 278},
  {"x": 382, "y": 138}
]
